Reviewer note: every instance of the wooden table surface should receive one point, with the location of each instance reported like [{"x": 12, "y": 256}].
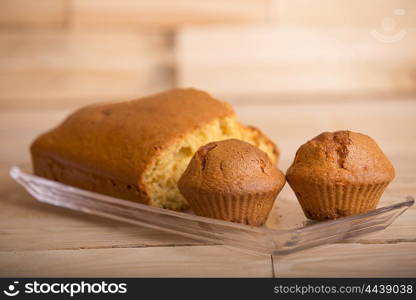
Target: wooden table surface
[{"x": 41, "y": 240}]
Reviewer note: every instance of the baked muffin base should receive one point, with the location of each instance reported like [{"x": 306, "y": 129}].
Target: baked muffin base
[
  {"x": 331, "y": 201},
  {"x": 251, "y": 209}
]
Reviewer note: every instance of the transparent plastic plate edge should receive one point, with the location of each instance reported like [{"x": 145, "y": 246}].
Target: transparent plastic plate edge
[{"x": 257, "y": 239}]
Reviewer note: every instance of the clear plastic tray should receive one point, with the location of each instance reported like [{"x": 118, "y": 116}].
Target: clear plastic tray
[{"x": 286, "y": 231}]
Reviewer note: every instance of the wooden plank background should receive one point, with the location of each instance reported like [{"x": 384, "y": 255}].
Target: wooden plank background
[
  {"x": 273, "y": 60},
  {"x": 67, "y": 53},
  {"x": 29, "y": 14},
  {"x": 166, "y": 14},
  {"x": 291, "y": 67},
  {"x": 49, "y": 67},
  {"x": 345, "y": 14}
]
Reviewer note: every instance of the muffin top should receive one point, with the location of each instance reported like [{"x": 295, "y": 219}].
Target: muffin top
[
  {"x": 341, "y": 157},
  {"x": 230, "y": 166}
]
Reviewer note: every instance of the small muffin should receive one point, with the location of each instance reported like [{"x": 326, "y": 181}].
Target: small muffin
[
  {"x": 233, "y": 181},
  {"x": 339, "y": 174}
]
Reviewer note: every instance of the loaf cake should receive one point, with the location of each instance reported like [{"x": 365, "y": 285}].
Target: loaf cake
[
  {"x": 231, "y": 180},
  {"x": 338, "y": 174},
  {"x": 138, "y": 149}
]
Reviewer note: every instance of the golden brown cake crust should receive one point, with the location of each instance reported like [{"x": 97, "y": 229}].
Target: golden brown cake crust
[
  {"x": 119, "y": 140},
  {"x": 231, "y": 166},
  {"x": 341, "y": 157}
]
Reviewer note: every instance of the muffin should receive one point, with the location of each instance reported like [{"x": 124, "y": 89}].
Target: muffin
[
  {"x": 339, "y": 174},
  {"x": 233, "y": 181}
]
